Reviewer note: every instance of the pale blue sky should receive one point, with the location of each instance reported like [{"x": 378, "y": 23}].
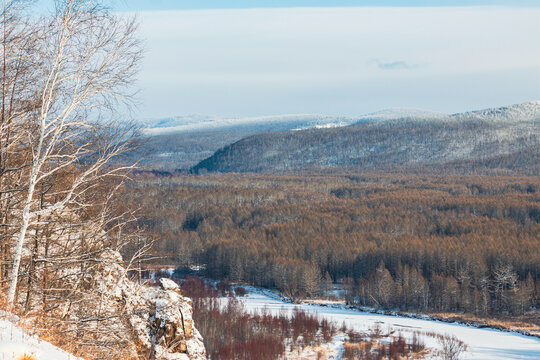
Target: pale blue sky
[
  {"x": 248, "y": 60},
  {"x": 141, "y": 5},
  {"x": 157, "y": 5},
  {"x": 221, "y": 4}
]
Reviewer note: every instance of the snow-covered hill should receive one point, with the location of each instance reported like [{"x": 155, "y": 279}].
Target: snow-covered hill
[
  {"x": 527, "y": 111},
  {"x": 193, "y": 123},
  {"x": 15, "y": 343},
  {"x": 401, "y": 113},
  {"x": 182, "y": 142},
  {"x": 502, "y": 139}
]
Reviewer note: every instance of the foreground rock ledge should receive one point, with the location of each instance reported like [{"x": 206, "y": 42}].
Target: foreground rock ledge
[
  {"x": 166, "y": 330},
  {"x": 158, "y": 320}
]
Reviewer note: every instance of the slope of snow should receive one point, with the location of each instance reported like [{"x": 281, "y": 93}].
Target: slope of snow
[
  {"x": 527, "y": 111},
  {"x": 484, "y": 344},
  {"x": 265, "y": 123},
  {"x": 401, "y": 113},
  {"x": 14, "y": 343},
  {"x": 278, "y": 122}
]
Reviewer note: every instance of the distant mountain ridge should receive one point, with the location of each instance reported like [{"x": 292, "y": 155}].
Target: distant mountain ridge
[
  {"x": 505, "y": 138},
  {"x": 402, "y": 113},
  {"x": 526, "y": 111},
  {"x": 180, "y": 142},
  {"x": 195, "y": 122}
]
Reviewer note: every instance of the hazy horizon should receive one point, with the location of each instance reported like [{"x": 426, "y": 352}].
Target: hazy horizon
[
  {"x": 381, "y": 110},
  {"x": 223, "y": 59}
]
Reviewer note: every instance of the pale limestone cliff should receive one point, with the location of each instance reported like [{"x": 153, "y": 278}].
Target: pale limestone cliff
[{"x": 155, "y": 321}]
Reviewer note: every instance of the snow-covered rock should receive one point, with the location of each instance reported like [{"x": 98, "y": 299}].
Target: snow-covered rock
[
  {"x": 161, "y": 325},
  {"x": 168, "y": 327},
  {"x": 158, "y": 321},
  {"x": 115, "y": 317},
  {"x": 168, "y": 284}
]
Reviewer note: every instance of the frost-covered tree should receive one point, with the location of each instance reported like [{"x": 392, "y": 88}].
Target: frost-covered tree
[
  {"x": 384, "y": 285},
  {"x": 68, "y": 73}
]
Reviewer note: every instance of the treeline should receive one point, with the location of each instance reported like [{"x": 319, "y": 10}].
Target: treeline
[
  {"x": 408, "y": 289},
  {"x": 415, "y": 242}
]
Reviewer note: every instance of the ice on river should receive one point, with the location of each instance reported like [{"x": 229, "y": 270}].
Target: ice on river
[{"x": 484, "y": 344}]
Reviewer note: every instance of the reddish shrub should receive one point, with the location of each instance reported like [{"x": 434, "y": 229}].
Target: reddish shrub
[
  {"x": 240, "y": 291},
  {"x": 230, "y": 332},
  {"x": 224, "y": 287}
]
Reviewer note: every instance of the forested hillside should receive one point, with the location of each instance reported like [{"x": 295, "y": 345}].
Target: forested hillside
[
  {"x": 423, "y": 242},
  {"x": 180, "y": 151},
  {"x": 496, "y": 140},
  {"x": 177, "y": 144}
]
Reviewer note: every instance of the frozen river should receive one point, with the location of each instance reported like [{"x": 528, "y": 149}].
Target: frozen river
[{"x": 483, "y": 343}]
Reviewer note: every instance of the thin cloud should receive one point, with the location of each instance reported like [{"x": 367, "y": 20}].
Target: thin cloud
[
  {"x": 395, "y": 65},
  {"x": 254, "y": 62}
]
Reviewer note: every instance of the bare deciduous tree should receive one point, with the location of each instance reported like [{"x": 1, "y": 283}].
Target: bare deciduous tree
[
  {"x": 19, "y": 40},
  {"x": 84, "y": 60},
  {"x": 451, "y": 347}
]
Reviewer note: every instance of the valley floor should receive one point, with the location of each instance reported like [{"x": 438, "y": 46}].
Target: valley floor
[{"x": 486, "y": 344}]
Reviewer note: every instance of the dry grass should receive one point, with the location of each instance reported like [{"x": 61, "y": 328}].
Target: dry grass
[
  {"x": 528, "y": 322},
  {"x": 48, "y": 327},
  {"x": 27, "y": 357}
]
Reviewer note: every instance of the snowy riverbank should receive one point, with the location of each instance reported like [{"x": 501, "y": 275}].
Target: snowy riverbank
[{"x": 484, "y": 344}]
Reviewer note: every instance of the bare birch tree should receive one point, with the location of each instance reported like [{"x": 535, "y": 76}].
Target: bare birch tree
[
  {"x": 17, "y": 45},
  {"x": 87, "y": 59}
]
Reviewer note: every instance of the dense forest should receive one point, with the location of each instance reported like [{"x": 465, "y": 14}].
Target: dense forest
[{"x": 412, "y": 242}]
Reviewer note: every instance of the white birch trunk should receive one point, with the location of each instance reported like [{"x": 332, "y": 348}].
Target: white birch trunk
[{"x": 14, "y": 277}]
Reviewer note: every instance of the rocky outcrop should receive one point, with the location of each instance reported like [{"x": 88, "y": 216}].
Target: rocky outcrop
[
  {"x": 155, "y": 322},
  {"x": 167, "y": 328}
]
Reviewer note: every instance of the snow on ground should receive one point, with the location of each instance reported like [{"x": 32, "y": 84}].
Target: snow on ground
[
  {"x": 14, "y": 343},
  {"x": 329, "y": 351},
  {"x": 486, "y": 344}
]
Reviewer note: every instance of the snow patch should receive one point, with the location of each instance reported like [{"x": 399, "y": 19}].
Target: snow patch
[
  {"x": 484, "y": 344},
  {"x": 15, "y": 342}
]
